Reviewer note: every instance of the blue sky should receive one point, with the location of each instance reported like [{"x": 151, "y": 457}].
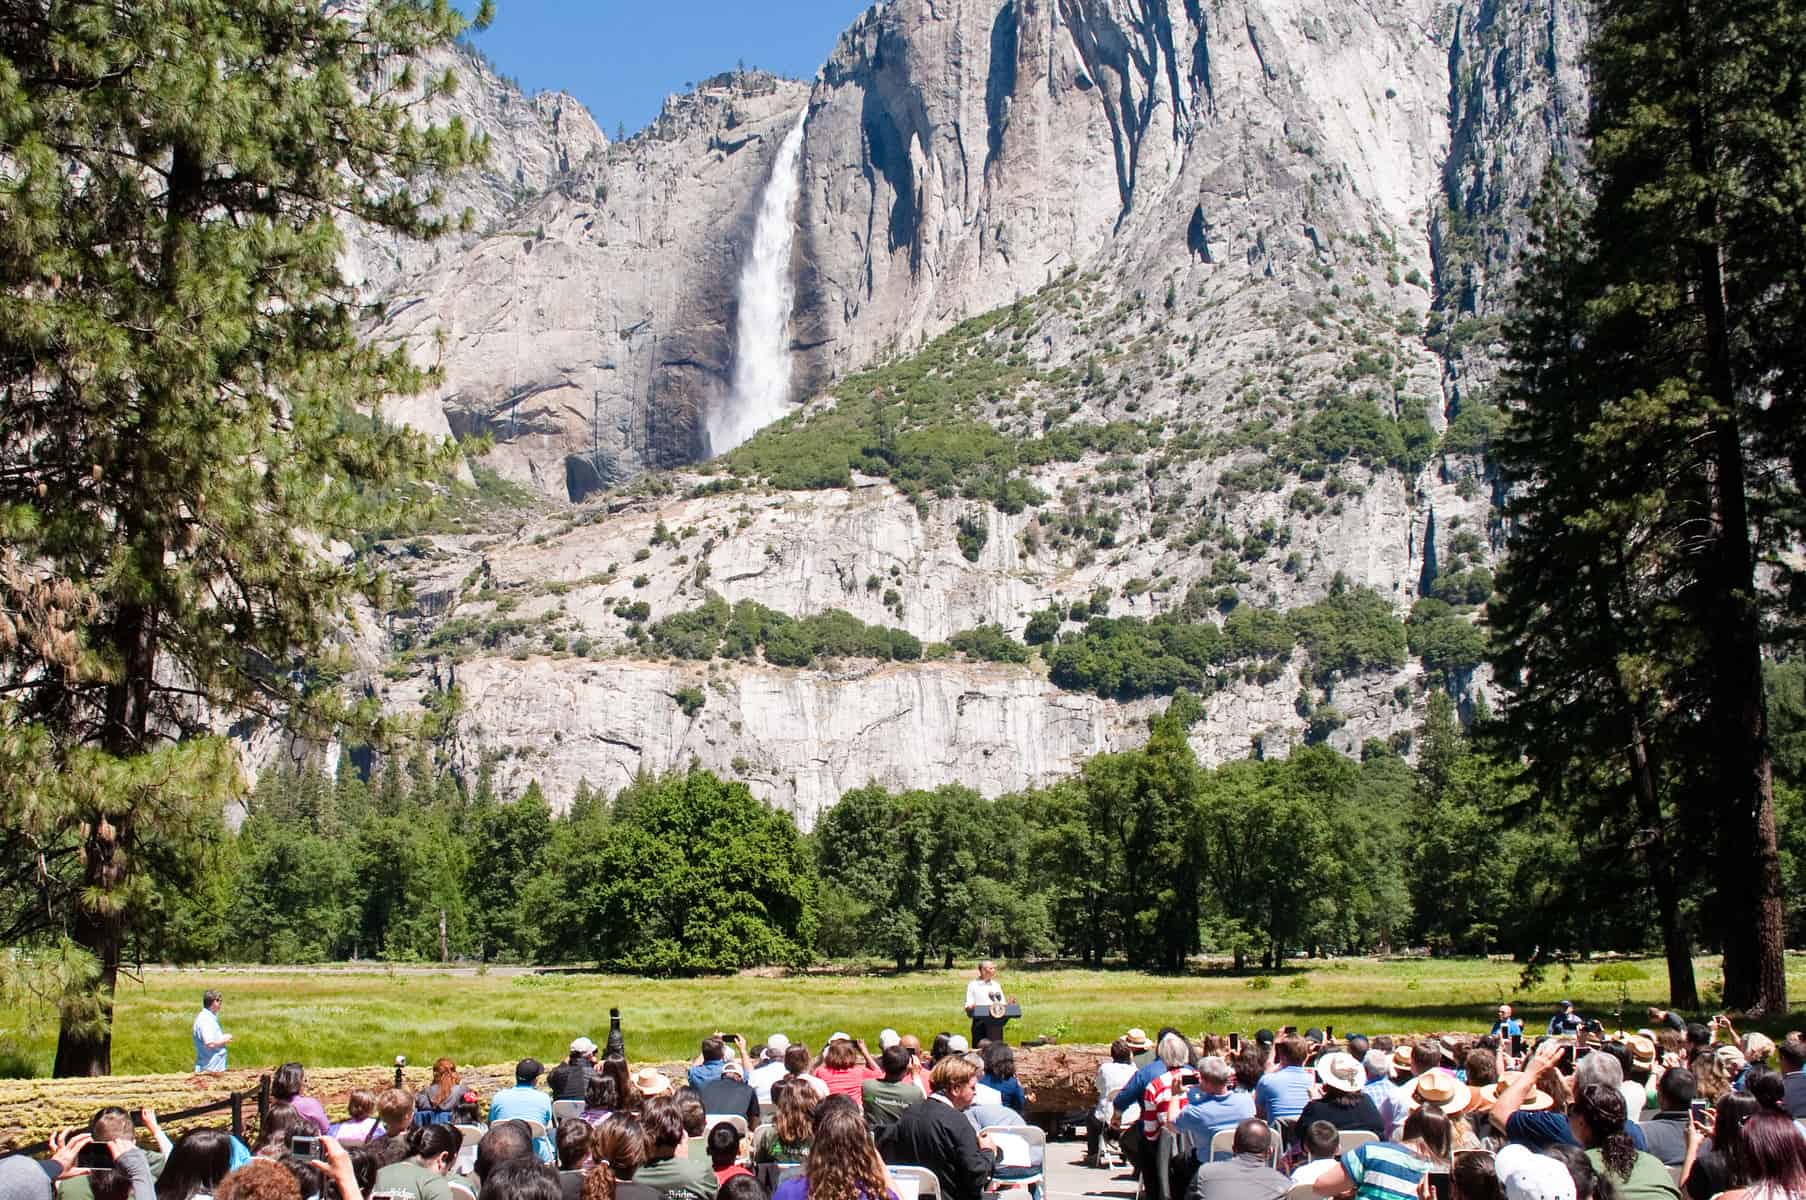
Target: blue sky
[{"x": 621, "y": 57}]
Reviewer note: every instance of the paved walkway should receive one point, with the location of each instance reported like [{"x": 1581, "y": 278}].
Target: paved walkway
[{"x": 1069, "y": 1179}]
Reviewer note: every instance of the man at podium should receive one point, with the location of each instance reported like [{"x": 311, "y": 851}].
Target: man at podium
[{"x": 987, "y": 1005}]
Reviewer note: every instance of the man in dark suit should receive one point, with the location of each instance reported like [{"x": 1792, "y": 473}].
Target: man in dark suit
[
  {"x": 935, "y": 1133},
  {"x": 1792, "y": 1053}
]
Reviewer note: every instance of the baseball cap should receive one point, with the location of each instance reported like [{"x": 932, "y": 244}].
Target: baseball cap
[
  {"x": 732, "y": 1067},
  {"x": 776, "y": 1044},
  {"x": 888, "y": 1038},
  {"x": 840, "y": 1037},
  {"x": 957, "y": 1044},
  {"x": 583, "y": 1046}
]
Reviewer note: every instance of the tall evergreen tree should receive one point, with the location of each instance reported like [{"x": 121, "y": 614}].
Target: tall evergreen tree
[
  {"x": 187, "y": 412},
  {"x": 1650, "y": 368}
]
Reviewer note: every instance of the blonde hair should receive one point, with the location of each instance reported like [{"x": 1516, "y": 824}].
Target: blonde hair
[{"x": 951, "y": 1074}]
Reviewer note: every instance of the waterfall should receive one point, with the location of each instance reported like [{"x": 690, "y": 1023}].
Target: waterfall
[{"x": 761, "y": 392}]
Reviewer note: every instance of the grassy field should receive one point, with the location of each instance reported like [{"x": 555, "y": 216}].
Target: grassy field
[{"x": 342, "y": 1017}]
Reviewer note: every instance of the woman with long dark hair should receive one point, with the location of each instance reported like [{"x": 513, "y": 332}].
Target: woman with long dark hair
[
  {"x": 432, "y": 1151},
  {"x": 1770, "y": 1162},
  {"x": 1712, "y": 1148},
  {"x": 601, "y": 1096},
  {"x": 1598, "y": 1118},
  {"x": 792, "y": 1126},
  {"x": 200, "y": 1159},
  {"x": 288, "y": 1085},
  {"x": 843, "y": 1163},
  {"x": 627, "y": 1097},
  {"x": 1000, "y": 1073}
]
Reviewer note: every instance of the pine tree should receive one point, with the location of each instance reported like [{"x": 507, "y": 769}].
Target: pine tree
[
  {"x": 188, "y": 412},
  {"x": 1649, "y": 424}
]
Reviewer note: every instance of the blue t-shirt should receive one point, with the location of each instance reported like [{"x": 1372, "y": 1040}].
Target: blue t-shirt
[
  {"x": 1539, "y": 1129},
  {"x": 703, "y": 1074},
  {"x": 1282, "y": 1094},
  {"x": 1204, "y": 1114}
]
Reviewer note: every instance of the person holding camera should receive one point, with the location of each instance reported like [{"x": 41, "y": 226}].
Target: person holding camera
[{"x": 707, "y": 1066}]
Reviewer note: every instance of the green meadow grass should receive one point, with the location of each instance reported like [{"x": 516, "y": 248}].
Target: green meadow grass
[{"x": 329, "y": 1016}]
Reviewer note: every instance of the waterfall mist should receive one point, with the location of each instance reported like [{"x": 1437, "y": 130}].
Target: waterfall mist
[{"x": 761, "y": 391}]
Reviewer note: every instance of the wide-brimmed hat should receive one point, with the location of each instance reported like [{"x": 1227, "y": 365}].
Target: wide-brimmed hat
[
  {"x": 1340, "y": 1072},
  {"x": 650, "y": 1081},
  {"x": 1537, "y": 1101},
  {"x": 1642, "y": 1050},
  {"x": 1442, "y": 1089},
  {"x": 1401, "y": 1058},
  {"x": 1137, "y": 1039}
]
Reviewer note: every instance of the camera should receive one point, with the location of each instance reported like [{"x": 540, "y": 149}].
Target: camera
[
  {"x": 401, "y": 1060},
  {"x": 305, "y": 1146}
]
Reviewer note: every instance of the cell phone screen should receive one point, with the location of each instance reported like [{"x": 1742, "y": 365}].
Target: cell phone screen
[
  {"x": 1697, "y": 1111},
  {"x": 1235, "y": 1041},
  {"x": 1441, "y": 1185}
]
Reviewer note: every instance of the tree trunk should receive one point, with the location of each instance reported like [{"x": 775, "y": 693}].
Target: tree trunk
[
  {"x": 1749, "y": 865},
  {"x": 1683, "y": 991}
]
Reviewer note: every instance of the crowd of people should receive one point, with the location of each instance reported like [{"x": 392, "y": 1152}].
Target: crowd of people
[{"x": 1580, "y": 1115}]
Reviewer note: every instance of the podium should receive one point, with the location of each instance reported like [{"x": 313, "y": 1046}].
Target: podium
[{"x": 986, "y": 1027}]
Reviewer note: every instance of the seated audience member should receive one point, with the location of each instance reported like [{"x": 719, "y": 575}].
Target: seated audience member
[
  {"x": 695, "y": 1117},
  {"x": 724, "y": 1152},
  {"x": 281, "y": 1122},
  {"x": 1522, "y": 1174},
  {"x": 1141, "y": 1046},
  {"x": 1665, "y": 1130},
  {"x": 883, "y": 1100},
  {"x": 1712, "y": 1160},
  {"x": 523, "y": 1179},
  {"x": 360, "y": 1123},
  {"x": 569, "y": 1080},
  {"x": 1211, "y": 1107},
  {"x": 1771, "y": 1161},
  {"x": 122, "y": 1171},
  {"x": 935, "y": 1133},
  {"x": 261, "y": 1179},
  {"x": 1791, "y": 1056},
  {"x": 769, "y": 1068},
  {"x": 617, "y": 1149},
  {"x": 431, "y": 1152},
  {"x": 1606, "y": 1066},
  {"x": 523, "y": 1101},
  {"x": 439, "y": 1099},
  {"x": 1322, "y": 1142},
  {"x": 918, "y": 1065},
  {"x": 1165, "y": 1095},
  {"x": 843, "y": 1164},
  {"x": 1472, "y": 1176},
  {"x": 797, "y": 1064},
  {"x": 1247, "y": 1174},
  {"x": 1000, "y": 1073},
  {"x": 1283, "y": 1092},
  {"x": 731, "y": 1095},
  {"x": 1385, "y": 1170},
  {"x": 1391, "y": 1101},
  {"x": 196, "y": 1164},
  {"x": 395, "y": 1112},
  {"x": 288, "y": 1085},
  {"x": 1598, "y": 1122},
  {"x": 1145, "y": 1073},
  {"x": 1345, "y": 1104},
  {"x": 572, "y": 1142},
  {"x": 503, "y": 1140},
  {"x": 845, "y": 1065},
  {"x": 1426, "y": 1056},
  {"x": 664, "y": 1170},
  {"x": 616, "y": 1068},
  {"x": 601, "y": 1097},
  {"x": 1111, "y": 1076},
  {"x": 716, "y": 1049},
  {"x": 786, "y": 1139},
  {"x": 1482, "y": 1068}
]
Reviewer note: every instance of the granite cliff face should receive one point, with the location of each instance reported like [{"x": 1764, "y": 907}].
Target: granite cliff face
[{"x": 1213, "y": 222}]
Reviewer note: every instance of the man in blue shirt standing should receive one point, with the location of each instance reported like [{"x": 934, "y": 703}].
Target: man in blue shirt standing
[
  {"x": 1282, "y": 1094},
  {"x": 210, "y": 1041},
  {"x": 1565, "y": 1020},
  {"x": 1507, "y": 1026}
]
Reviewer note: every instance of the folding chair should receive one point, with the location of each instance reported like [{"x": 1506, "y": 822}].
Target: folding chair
[
  {"x": 928, "y": 1184},
  {"x": 1348, "y": 1139},
  {"x": 734, "y": 1119},
  {"x": 472, "y": 1134},
  {"x": 567, "y": 1110}
]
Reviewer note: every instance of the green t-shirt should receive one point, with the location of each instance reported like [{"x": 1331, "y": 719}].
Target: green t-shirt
[
  {"x": 885, "y": 1102},
  {"x": 409, "y": 1176},
  {"x": 1649, "y": 1179},
  {"x": 680, "y": 1177}
]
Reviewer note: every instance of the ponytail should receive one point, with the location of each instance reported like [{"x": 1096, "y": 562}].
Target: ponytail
[
  {"x": 430, "y": 1141},
  {"x": 1602, "y": 1107},
  {"x": 599, "y": 1183}
]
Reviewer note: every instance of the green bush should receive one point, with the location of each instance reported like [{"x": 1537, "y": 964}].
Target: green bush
[
  {"x": 989, "y": 643},
  {"x": 690, "y": 700}
]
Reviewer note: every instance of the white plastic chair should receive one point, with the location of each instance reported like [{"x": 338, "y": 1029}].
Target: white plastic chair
[
  {"x": 734, "y": 1119},
  {"x": 1348, "y": 1139},
  {"x": 536, "y": 1128},
  {"x": 1222, "y": 1142},
  {"x": 567, "y": 1110},
  {"x": 927, "y": 1182},
  {"x": 1036, "y": 1138},
  {"x": 472, "y": 1134}
]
